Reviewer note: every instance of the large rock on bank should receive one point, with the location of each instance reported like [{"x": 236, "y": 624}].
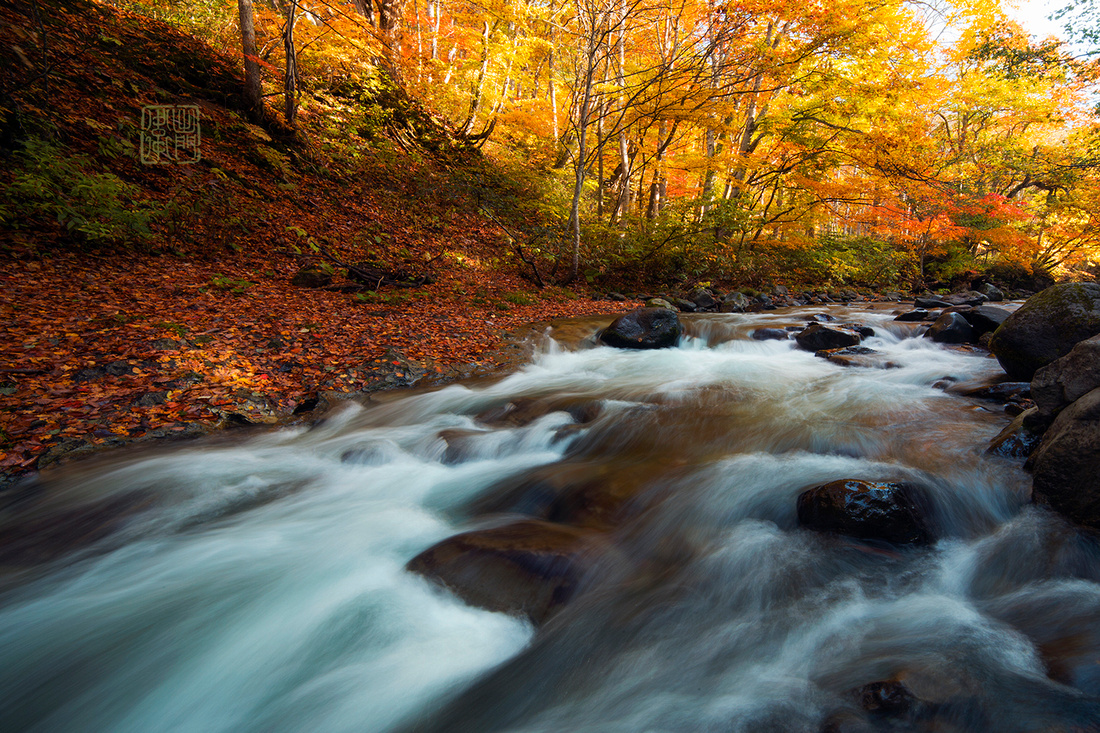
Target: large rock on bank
[
  {"x": 528, "y": 568},
  {"x": 867, "y": 510},
  {"x": 1066, "y": 467},
  {"x": 1064, "y": 380},
  {"x": 1046, "y": 327},
  {"x": 644, "y": 328}
]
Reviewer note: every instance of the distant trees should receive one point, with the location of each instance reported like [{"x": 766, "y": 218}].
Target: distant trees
[{"x": 714, "y": 130}]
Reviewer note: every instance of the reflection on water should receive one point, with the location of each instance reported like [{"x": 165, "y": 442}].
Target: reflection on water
[{"x": 259, "y": 585}]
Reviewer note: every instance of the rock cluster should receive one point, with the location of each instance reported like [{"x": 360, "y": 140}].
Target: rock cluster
[{"x": 1053, "y": 340}]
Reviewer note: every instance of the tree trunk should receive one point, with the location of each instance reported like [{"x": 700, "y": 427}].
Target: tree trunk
[
  {"x": 290, "y": 79},
  {"x": 366, "y": 9},
  {"x": 251, "y": 61}
]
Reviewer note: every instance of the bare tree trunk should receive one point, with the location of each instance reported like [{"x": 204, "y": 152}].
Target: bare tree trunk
[
  {"x": 251, "y": 61},
  {"x": 479, "y": 88},
  {"x": 579, "y": 161},
  {"x": 290, "y": 79},
  {"x": 366, "y": 9},
  {"x": 390, "y": 14},
  {"x": 550, "y": 72}
]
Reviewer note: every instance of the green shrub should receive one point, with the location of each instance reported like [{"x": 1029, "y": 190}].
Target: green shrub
[{"x": 51, "y": 184}]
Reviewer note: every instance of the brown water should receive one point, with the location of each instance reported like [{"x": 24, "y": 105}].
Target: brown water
[{"x": 259, "y": 585}]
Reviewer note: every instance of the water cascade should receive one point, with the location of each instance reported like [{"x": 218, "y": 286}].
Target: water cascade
[{"x": 258, "y": 584}]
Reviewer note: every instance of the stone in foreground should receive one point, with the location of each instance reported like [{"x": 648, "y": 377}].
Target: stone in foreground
[
  {"x": 644, "y": 328},
  {"x": 528, "y": 568},
  {"x": 867, "y": 510}
]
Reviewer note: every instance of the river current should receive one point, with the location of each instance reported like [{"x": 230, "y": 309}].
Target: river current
[{"x": 257, "y": 584}]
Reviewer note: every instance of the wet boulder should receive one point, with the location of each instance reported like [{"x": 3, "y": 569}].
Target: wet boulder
[
  {"x": 886, "y": 698},
  {"x": 819, "y": 336},
  {"x": 992, "y": 292},
  {"x": 1017, "y": 440},
  {"x": 918, "y": 314},
  {"x": 1065, "y": 467},
  {"x": 985, "y": 318},
  {"x": 867, "y": 510},
  {"x": 644, "y": 328},
  {"x": 969, "y": 297},
  {"x": 861, "y": 328},
  {"x": 1064, "y": 380},
  {"x": 1047, "y": 327},
  {"x": 1001, "y": 392},
  {"x": 928, "y": 302},
  {"x": 770, "y": 334},
  {"x": 856, "y": 356},
  {"x": 527, "y": 568},
  {"x": 951, "y": 328}
]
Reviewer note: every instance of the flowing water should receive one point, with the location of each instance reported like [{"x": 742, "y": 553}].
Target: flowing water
[{"x": 259, "y": 585}]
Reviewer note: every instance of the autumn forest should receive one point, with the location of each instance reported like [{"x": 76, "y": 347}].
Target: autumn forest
[{"x": 853, "y": 141}]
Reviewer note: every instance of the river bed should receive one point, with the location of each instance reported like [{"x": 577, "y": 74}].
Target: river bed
[{"x": 259, "y": 583}]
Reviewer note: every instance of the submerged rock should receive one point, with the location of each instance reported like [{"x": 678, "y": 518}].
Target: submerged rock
[
  {"x": 885, "y": 698},
  {"x": 644, "y": 328},
  {"x": 770, "y": 334},
  {"x": 528, "y": 568},
  {"x": 869, "y": 510},
  {"x": 1066, "y": 467},
  {"x": 856, "y": 356},
  {"x": 1047, "y": 327},
  {"x": 819, "y": 336}
]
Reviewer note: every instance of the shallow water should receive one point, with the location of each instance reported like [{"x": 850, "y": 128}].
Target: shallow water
[{"x": 259, "y": 585}]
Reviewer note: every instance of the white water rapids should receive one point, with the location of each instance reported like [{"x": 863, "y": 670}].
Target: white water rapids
[{"x": 259, "y": 585}]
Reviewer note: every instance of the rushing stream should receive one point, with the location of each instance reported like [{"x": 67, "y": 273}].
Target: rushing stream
[{"x": 259, "y": 585}]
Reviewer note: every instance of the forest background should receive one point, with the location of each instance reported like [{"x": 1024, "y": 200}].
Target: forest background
[{"x": 469, "y": 166}]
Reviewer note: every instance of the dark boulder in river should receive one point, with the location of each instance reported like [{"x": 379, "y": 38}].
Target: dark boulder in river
[
  {"x": 528, "y": 568},
  {"x": 1067, "y": 465},
  {"x": 1046, "y": 327},
  {"x": 985, "y": 318},
  {"x": 867, "y": 510},
  {"x": 819, "y": 336},
  {"x": 770, "y": 334},
  {"x": 951, "y": 328},
  {"x": 644, "y": 328}
]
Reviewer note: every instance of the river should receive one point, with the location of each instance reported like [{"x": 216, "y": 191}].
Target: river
[{"x": 257, "y": 584}]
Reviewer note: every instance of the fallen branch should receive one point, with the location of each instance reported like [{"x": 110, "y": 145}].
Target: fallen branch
[{"x": 378, "y": 277}]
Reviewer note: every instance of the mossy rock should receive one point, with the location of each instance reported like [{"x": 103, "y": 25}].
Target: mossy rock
[{"x": 1046, "y": 327}]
